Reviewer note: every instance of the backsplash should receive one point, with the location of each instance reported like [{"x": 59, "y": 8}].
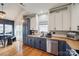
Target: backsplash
[
  {"x": 62, "y": 32},
  {"x": 59, "y": 32}
]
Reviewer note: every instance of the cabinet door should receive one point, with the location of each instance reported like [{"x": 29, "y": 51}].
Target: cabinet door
[
  {"x": 26, "y": 29},
  {"x": 24, "y": 33},
  {"x": 74, "y": 17},
  {"x": 61, "y": 48},
  {"x": 54, "y": 47},
  {"x": 43, "y": 44},
  {"x": 37, "y": 43},
  {"x": 24, "y": 40},
  {"x": 68, "y": 48},
  {"x": 30, "y": 41},
  {"x": 66, "y": 19},
  {"x": 58, "y": 20},
  {"x": 61, "y": 45},
  {"x": 27, "y": 41},
  {"x": 33, "y": 23},
  {"x": 51, "y": 24}
]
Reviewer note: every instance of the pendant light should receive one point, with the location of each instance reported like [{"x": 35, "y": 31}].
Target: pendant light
[{"x": 2, "y": 13}]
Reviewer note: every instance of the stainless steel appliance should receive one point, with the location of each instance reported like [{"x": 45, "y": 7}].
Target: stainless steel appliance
[
  {"x": 73, "y": 35},
  {"x": 73, "y": 52}
]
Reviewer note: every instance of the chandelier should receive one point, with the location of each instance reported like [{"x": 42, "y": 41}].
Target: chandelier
[{"x": 2, "y": 13}]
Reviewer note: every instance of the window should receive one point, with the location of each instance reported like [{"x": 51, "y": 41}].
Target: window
[
  {"x": 43, "y": 22},
  {"x": 1, "y": 28},
  {"x": 8, "y": 29}
]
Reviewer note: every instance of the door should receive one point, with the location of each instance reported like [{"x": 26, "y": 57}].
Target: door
[
  {"x": 74, "y": 17},
  {"x": 26, "y": 40},
  {"x": 51, "y": 23},
  {"x": 37, "y": 43},
  {"x": 66, "y": 19},
  {"x": 58, "y": 20},
  {"x": 43, "y": 44},
  {"x": 62, "y": 48},
  {"x": 32, "y": 41},
  {"x": 26, "y": 29}
]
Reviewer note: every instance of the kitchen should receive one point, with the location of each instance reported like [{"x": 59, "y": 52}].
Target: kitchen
[
  {"x": 50, "y": 28},
  {"x": 62, "y": 25}
]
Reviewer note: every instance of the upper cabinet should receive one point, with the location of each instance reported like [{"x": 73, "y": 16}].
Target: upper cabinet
[
  {"x": 74, "y": 17},
  {"x": 66, "y": 19},
  {"x": 51, "y": 22},
  {"x": 66, "y": 22},
  {"x": 33, "y": 23},
  {"x": 60, "y": 19}
]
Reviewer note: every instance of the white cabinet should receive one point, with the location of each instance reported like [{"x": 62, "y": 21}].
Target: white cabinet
[
  {"x": 33, "y": 23},
  {"x": 74, "y": 17},
  {"x": 58, "y": 20},
  {"x": 66, "y": 19},
  {"x": 55, "y": 21},
  {"x": 51, "y": 22}
]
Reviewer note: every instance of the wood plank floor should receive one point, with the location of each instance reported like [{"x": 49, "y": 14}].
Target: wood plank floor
[{"x": 18, "y": 49}]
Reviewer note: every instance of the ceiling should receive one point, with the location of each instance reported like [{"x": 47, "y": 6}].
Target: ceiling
[
  {"x": 15, "y": 9},
  {"x": 40, "y": 7},
  {"x": 12, "y": 10}
]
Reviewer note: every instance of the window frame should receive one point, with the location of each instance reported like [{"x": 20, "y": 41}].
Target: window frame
[{"x": 43, "y": 22}]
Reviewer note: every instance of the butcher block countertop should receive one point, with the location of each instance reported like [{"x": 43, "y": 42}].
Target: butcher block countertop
[{"x": 72, "y": 43}]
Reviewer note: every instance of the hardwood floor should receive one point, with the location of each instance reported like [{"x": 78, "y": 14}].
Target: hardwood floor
[{"x": 18, "y": 49}]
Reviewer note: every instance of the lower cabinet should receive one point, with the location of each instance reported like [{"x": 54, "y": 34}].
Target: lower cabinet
[
  {"x": 59, "y": 48},
  {"x": 30, "y": 41},
  {"x": 40, "y": 43},
  {"x": 24, "y": 40},
  {"x": 43, "y": 44},
  {"x": 36, "y": 42},
  {"x": 55, "y": 47}
]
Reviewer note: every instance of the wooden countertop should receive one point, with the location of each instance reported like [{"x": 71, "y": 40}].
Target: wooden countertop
[{"x": 72, "y": 43}]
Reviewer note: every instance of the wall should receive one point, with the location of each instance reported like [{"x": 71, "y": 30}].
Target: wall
[
  {"x": 15, "y": 12},
  {"x": 19, "y": 27}
]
